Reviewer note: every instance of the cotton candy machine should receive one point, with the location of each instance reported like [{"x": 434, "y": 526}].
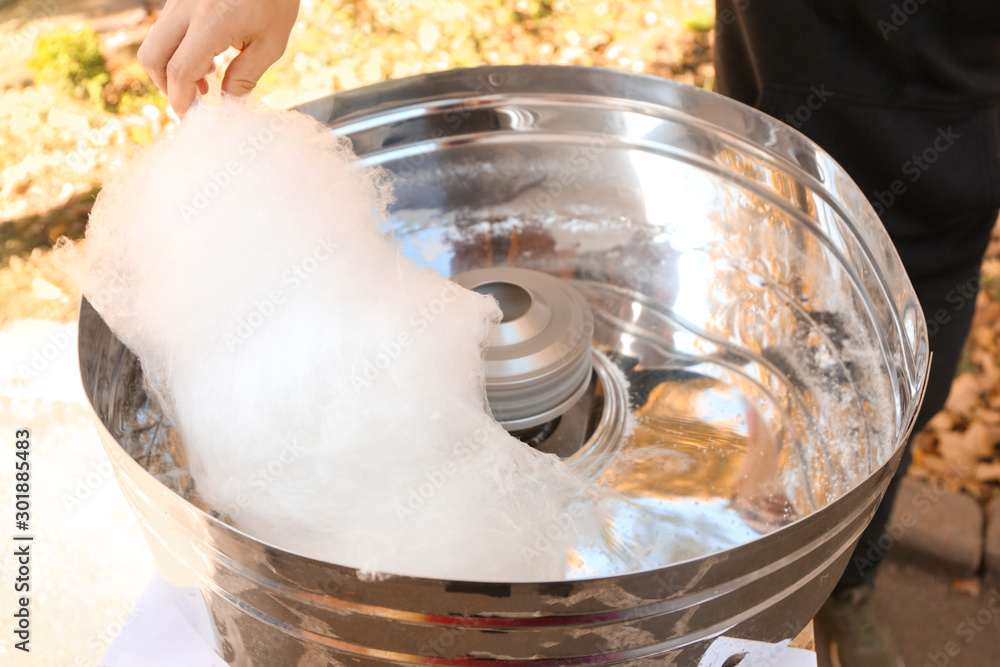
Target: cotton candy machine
[{"x": 700, "y": 310}]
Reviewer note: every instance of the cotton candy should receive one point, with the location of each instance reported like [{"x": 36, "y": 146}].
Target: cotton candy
[{"x": 329, "y": 392}]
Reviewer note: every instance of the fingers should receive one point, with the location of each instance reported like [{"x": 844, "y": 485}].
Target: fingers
[
  {"x": 247, "y": 68},
  {"x": 161, "y": 43},
  {"x": 189, "y": 65},
  {"x": 179, "y": 51}
]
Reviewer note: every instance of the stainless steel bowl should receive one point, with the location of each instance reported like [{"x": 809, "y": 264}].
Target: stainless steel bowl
[{"x": 742, "y": 289}]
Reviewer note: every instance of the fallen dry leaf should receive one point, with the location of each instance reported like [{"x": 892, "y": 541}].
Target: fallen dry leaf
[
  {"x": 978, "y": 440},
  {"x": 988, "y": 472},
  {"x": 985, "y": 337},
  {"x": 954, "y": 450},
  {"x": 950, "y": 473},
  {"x": 965, "y": 393},
  {"x": 994, "y": 247},
  {"x": 987, "y": 416},
  {"x": 991, "y": 267},
  {"x": 979, "y": 491},
  {"x": 968, "y": 586},
  {"x": 987, "y": 362},
  {"x": 925, "y": 441},
  {"x": 986, "y": 308},
  {"x": 942, "y": 421}
]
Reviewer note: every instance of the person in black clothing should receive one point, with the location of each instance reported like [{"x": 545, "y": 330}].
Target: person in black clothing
[{"x": 904, "y": 95}]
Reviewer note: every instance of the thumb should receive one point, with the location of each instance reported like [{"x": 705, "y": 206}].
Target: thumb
[{"x": 247, "y": 68}]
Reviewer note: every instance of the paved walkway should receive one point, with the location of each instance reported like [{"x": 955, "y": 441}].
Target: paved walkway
[{"x": 935, "y": 624}]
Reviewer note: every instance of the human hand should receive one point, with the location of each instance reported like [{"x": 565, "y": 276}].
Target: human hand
[{"x": 178, "y": 53}]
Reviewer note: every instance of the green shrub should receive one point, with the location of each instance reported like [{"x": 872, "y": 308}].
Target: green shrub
[
  {"x": 699, "y": 22},
  {"x": 71, "y": 60}
]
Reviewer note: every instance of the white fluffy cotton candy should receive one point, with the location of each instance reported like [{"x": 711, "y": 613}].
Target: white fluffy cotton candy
[{"x": 329, "y": 393}]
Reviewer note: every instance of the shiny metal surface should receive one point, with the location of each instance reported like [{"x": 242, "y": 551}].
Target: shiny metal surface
[
  {"x": 742, "y": 289},
  {"x": 538, "y": 361}
]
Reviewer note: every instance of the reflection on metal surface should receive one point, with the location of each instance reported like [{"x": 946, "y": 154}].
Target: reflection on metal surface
[
  {"x": 538, "y": 357},
  {"x": 752, "y": 324}
]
